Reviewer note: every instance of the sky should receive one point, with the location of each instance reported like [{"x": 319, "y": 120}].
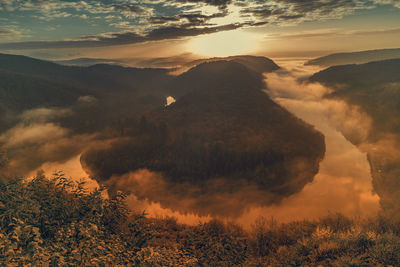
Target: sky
[{"x": 63, "y": 29}]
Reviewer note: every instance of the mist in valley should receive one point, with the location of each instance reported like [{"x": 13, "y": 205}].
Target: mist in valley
[{"x": 343, "y": 183}]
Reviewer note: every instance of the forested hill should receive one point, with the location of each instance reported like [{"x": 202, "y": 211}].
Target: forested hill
[
  {"x": 222, "y": 129},
  {"x": 118, "y": 92},
  {"x": 223, "y": 135},
  {"x": 254, "y": 63},
  {"x": 374, "y": 88},
  {"x": 360, "y": 75},
  {"x": 356, "y": 57},
  {"x": 100, "y": 78}
]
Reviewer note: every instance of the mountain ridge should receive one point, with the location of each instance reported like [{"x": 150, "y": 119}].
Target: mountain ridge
[{"x": 358, "y": 57}]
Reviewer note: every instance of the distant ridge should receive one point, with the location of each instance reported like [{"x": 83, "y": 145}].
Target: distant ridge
[
  {"x": 355, "y": 57},
  {"x": 360, "y": 76},
  {"x": 86, "y": 62},
  {"x": 255, "y": 63}
]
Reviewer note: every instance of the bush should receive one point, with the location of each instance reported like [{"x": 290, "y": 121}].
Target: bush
[
  {"x": 57, "y": 222},
  {"x": 216, "y": 244}
]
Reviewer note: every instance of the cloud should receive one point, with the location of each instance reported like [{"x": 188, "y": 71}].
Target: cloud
[
  {"x": 131, "y": 11},
  {"x": 121, "y": 38},
  {"x": 344, "y": 182},
  {"x": 36, "y": 139},
  {"x": 162, "y": 62},
  {"x": 219, "y": 3},
  {"x": 44, "y": 114},
  {"x": 332, "y": 33},
  {"x": 193, "y": 19},
  {"x": 294, "y": 11},
  {"x": 9, "y": 34},
  {"x": 186, "y": 198},
  {"x": 163, "y": 20},
  {"x": 30, "y": 145},
  {"x": 395, "y": 3}
]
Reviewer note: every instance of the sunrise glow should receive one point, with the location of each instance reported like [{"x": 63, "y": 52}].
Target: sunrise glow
[{"x": 222, "y": 44}]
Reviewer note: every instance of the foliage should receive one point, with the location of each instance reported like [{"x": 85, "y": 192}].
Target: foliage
[
  {"x": 216, "y": 244},
  {"x": 56, "y": 222}
]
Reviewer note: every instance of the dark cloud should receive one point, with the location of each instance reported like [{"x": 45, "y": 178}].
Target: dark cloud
[
  {"x": 262, "y": 13},
  {"x": 219, "y": 3},
  {"x": 176, "y": 32},
  {"x": 193, "y": 19},
  {"x": 282, "y": 10},
  {"x": 133, "y": 9},
  {"x": 123, "y": 38},
  {"x": 289, "y": 17},
  {"x": 324, "y": 6},
  {"x": 157, "y": 20}
]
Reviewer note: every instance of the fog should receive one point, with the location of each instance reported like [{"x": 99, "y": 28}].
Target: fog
[{"x": 343, "y": 183}]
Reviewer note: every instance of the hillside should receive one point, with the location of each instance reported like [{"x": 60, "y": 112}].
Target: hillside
[
  {"x": 355, "y": 57},
  {"x": 85, "y": 62},
  {"x": 119, "y": 92},
  {"x": 254, "y": 63},
  {"x": 19, "y": 92},
  {"x": 222, "y": 130},
  {"x": 369, "y": 74},
  {"x": 99, "y": 78},
  {"x": 375, "y": 88}
]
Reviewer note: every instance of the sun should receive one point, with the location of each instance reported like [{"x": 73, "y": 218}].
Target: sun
[{"x": 222, "y": 44}]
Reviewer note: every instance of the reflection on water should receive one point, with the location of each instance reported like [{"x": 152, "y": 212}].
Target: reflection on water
[{"x": 343, "y": 183}]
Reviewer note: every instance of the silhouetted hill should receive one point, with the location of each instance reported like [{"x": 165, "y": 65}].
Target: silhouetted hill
[
  {"x": 120, "y": 92},
  {"x": 100, "y": 78},
  {"x": 369, "y": 74},
  {"x": 19, "y": 92},
  {"x": 86, "y": 62},
  {"x": 355, "y": 57},
  {"x": 254, "y": 63},
  {"x": 375, "y": 88},
  {"x": 216, "y": 75},
  {"x": 222, "y": 136}
]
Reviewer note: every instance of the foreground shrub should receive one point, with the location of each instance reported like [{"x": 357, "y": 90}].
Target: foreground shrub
[
  {"x": 149, "y": 257},
  {"x": 216, "y": 244},
  {"x": 57, "y": 222}
]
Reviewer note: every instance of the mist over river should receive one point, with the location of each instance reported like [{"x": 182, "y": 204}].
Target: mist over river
[{"x": 343, "y": 183}]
